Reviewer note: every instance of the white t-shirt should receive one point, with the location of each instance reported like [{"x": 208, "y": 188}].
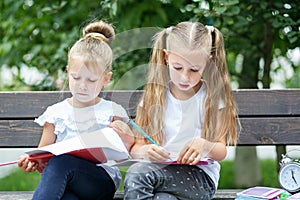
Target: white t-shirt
[
  {"x": 70, "y": 121},
  {"x": 182, "y": 123}
]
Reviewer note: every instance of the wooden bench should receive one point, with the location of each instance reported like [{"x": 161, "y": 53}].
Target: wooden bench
[{"x": 268, "y": 117}]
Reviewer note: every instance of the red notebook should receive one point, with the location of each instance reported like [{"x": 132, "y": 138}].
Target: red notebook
[
  {"x": 98, "y": 147},
  {"x": 94, "y": 155}
]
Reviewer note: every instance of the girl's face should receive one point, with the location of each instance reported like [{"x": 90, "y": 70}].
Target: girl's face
[
  {"x": 186, "y": 70},
  {"x": 86, "y": 82}
]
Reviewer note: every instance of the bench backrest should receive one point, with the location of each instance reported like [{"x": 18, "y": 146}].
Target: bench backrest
[{"x": 267, "y": 116}]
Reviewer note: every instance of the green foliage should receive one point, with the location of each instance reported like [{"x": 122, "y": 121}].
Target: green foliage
[
  {"x": 134, "y": 28},
  {"x": 38, "y": 34},
  {"x": 253, "y": 29}
]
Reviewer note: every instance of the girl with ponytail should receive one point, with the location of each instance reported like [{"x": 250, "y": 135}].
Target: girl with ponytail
[
  {"x": 89, "y": 70},
  {"x": 187, "y": 108}
]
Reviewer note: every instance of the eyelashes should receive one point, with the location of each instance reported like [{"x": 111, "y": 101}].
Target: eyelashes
[
  {"x": 90, "y": 80},
  {"x": 177, "y": 68}
]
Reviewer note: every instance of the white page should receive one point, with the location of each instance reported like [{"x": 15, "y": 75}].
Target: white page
[{"x": 107, "y": 138}]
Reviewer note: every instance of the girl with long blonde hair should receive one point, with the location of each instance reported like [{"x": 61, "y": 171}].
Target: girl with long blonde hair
[{"x": 188, "y": 110}]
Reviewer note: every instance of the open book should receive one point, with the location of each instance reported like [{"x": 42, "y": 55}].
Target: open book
[
  {"x": 98, "y": 147},
  {"x": 101, "y": 146},
  {"x": 171, "y": 161}
]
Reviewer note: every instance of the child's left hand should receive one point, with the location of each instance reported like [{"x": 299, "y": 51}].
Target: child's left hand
[
  {"x": 194, "y": 151},
  {"x": 124, "y": 132}
]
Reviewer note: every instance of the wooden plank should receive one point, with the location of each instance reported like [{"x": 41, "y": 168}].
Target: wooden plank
[
  {"x": 270, "y": 131},
  {"x": 19, "y": 133},
  {"x": 32, "y": 104},
  {"x": 221, "y": 194},
  {"x": 27, "y": 104},
  {"x": 250, "y": 102},
  {"x": 268, "y": 102},
  {"x": 255, "y": 131}
]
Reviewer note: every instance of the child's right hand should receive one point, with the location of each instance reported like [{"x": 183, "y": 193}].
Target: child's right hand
[
  {"x": 124, "y": 132},
  {"x": 27, "y": 166},
  {"x": 155, "y": 153}
]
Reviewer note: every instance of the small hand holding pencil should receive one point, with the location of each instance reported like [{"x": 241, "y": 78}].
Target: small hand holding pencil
[{"x": 155, "y": 153}]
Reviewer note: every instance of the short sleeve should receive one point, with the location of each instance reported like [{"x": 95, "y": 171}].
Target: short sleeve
[
  {"x": 56, "y": 115},
  {"x": 119, "y": 111},
  {"x": 45, "y": 117}
]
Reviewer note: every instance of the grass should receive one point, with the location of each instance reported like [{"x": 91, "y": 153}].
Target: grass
[
  {"x": 21, "y": 181},
  {"x": 268, "y": 169}
]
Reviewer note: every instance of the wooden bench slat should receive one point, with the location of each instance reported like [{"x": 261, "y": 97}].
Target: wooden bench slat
[
  {"x": 270, "y": 131},
  {"x": 268, "y": 102},
  {"x": 19, "y": 133},
  {"x": 250, "y": 102},
  {"x": 227, "y": 194},
  {"x": 32, "y": 104},
  {"x": 255, "y": 131}
]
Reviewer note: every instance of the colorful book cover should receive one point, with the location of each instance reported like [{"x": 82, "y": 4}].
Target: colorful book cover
[{"x": 256, "y": 193}]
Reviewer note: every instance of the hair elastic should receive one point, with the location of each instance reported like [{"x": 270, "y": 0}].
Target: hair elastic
[
  {"x": 210, "y": 28},
  {"x": 96, "y": 35}
]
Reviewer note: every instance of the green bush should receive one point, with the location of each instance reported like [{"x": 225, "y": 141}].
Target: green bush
[{"x": 269, "y": 174}]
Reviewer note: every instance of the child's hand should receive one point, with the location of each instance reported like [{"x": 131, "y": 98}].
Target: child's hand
[
  {"x": 155, "y": 153},
  {"x": 193, "y": 151},
  {"x": 41, "y": 167},
  {"x": 27, "y": 166},
  {"x": 124, "y": 132}
]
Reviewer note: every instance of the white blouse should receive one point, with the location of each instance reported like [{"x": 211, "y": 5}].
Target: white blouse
[{"x": 70, "y": 121}]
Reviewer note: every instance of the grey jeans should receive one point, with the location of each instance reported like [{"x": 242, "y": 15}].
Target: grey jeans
[{"x": 167, "y": 182}]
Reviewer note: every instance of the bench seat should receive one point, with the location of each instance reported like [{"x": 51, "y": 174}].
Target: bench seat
[{"x": 226, "y": 194}]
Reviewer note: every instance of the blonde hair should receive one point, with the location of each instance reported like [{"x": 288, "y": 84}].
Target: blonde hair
[
  {"x": 95, "y": 44},
  {"x": 192, "y": 37}
]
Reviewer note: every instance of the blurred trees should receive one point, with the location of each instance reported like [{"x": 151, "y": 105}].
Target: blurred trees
[{"x": 36, "y": 35}]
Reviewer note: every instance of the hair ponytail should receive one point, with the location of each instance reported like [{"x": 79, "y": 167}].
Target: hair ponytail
[
  {"x": 150, "y": 114},
  {"x": 217, "y": 78},
  {"x": 95, "y": 44}
]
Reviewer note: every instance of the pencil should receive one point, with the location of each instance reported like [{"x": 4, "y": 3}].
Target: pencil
[
  {"x": 130, "y": 121},
  {"x": 142, "y": 132},
  {"x": 8, "y": 163}
]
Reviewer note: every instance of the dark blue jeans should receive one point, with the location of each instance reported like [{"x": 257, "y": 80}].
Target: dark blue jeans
[{"x": 67, "y": 177}]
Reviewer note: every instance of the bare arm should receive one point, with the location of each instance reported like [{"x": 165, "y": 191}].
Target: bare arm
[{"x": 48, "y": 137}]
